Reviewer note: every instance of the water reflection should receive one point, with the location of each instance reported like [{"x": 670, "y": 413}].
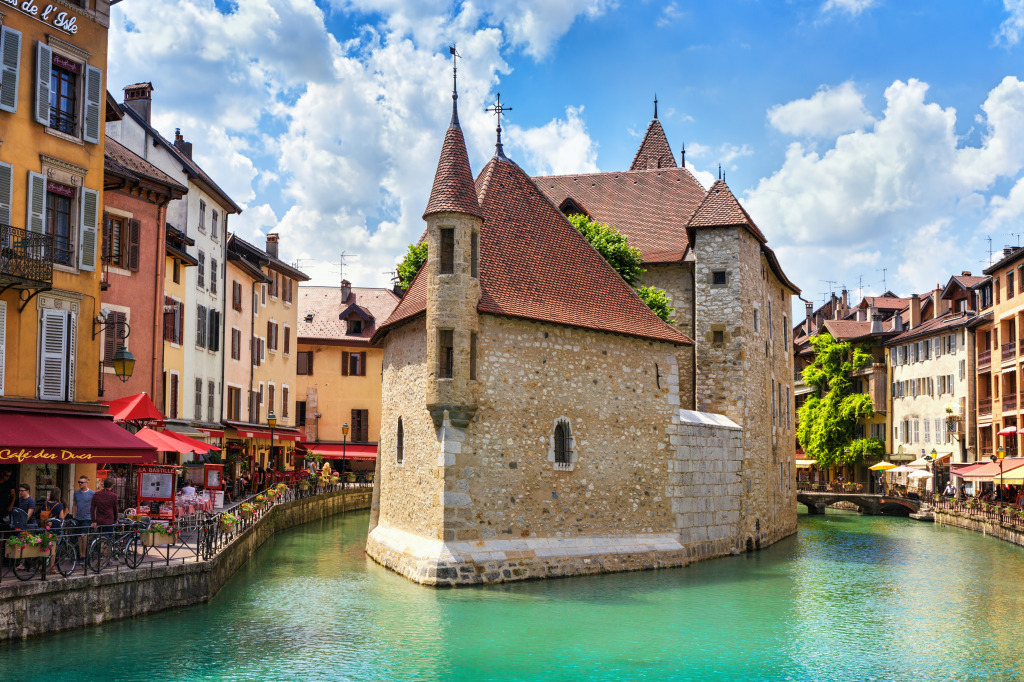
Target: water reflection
[{"x": 849, "y": 598}]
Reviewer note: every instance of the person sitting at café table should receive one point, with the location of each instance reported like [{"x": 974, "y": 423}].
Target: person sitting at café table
[{"x": 188, "y": 490}]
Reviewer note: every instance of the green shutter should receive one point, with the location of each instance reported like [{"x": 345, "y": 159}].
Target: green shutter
[
  {"x": 10, "y": 60},
  {"x": 36, "y": 220},
  {"x": 6, "y": 192},
  {"x": 88, "y": 230},
  {"x": 93, "y": 104},
  {"x": 44, "y": 67}
]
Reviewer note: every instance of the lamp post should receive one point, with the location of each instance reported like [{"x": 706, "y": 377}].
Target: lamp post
[
  {"x": 122, "y": 361},
  {"x": 271, "y": 422},
  {"x": 344, "y": 438},
  {"x": 1000, "y": 453}
]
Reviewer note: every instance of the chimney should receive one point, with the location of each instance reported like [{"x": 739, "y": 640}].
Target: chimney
[
  {"x": 846, "y": 300},
  {"x": 809, "y": 308},
  {"x": 346, "y": 290},
  {"x": 1007, "y": 250},
  {"x": 965, "y": 273},
  {"x": 939, "y": 304},
  {"x": 179, "y": 142},
  {"x": 140, "y": 98},
  {"x": 897, "y": 323},
  {"x": 876, "y": 320},
  {"x": 915, "y": 311},
  {"x": 272, "y": 239}
]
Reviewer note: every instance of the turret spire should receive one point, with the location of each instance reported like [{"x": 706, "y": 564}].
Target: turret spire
[
  {"x": 655, "y": 105},
  {"x": 498, "y": 109},
  {"x": 455, "y": 87}
]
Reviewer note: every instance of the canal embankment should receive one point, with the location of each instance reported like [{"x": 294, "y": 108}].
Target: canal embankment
[
  {"x": 37, "y": 607},
  {"x": 991, "y": 524}
]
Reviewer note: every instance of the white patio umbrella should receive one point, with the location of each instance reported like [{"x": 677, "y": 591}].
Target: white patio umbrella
[
  {"x": 903, "y": 469},
  {"x": 919, "y": 474}
]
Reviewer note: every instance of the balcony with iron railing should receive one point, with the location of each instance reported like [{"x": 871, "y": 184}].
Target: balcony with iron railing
[
  {"x": 1008, "y": 351},
  {"x": 984, "y": 358},
  {"x": 1010, "y": 402},
  {"x": 984, "y": 405},
  {"x": 26, "y": 258}
]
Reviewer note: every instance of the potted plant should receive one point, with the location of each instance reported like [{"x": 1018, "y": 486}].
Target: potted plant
[
  {"x": 159, "y": 534},
  {"x": 281, "y": 489},
  {"x": 271, "y": 494},
  {"x": 228, "y": 521},
  {"x": 369, "y": 477},
  {"x": 247, "y": 510},
  {"x": 304, "y": 484},
  {"x": 30, "y": 545},
  {"x": 334, "y": 480},
  {"x": 351, "y": 477}
]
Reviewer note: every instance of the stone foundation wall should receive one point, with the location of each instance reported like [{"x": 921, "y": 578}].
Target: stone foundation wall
[
  {"x": 993, "y": 527},
  {"x": 36, "y": 607}
]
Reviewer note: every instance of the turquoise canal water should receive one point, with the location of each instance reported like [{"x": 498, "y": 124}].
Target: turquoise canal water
[{"x": 848, "y": 598}]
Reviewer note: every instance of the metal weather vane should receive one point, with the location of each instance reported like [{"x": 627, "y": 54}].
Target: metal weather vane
[{"x": 498, "y": 109}]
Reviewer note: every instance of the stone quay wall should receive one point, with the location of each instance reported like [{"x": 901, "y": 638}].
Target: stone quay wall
[
  {"x": 37, "y": 607},
  {"x": 978, "y": 524}
]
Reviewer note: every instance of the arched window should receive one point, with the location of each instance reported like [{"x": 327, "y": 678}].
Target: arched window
[
  {"x": 400, "y": 443},
  {"x": 563, "y": 444}
]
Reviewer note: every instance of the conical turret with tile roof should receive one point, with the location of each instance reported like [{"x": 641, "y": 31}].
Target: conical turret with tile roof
[
  {"x": 453, "y": 218},
  {"x": 654, "y": 151}
]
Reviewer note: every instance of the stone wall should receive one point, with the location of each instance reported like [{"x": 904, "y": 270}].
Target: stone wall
[
  {"x": 985, "y": 526},
  {"x": 36, "y": 607},
  {"x": 677, "y": 281}
]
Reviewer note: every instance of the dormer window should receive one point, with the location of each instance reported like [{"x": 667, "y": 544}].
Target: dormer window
[
  {"x": 309, "y": 317},
  {"x": 355, "y": 326}
]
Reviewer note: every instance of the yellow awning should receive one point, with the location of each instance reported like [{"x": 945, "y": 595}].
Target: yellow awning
[
  {"x": 1015, "y": 476},
  {"x": 805, "y": 463}
]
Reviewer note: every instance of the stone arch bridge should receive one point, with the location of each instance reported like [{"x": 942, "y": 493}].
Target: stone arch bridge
[{"x": 871, "y": 505}]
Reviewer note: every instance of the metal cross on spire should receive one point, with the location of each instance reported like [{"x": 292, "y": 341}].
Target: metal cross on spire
[
  {"x": 498, "y": 109},
  {"x": 455, "y": 84},
  {"x": 655, "y": 105}
]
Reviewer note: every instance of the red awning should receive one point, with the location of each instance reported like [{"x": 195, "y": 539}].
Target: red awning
[
  {"x": 985, "y": 472},
  {"x": 334, "y": 451},
  {"x": 134, "y": 408},
  {"x": 289, "y": 435},
  {"x": 197, "y": 446},
  {"x": 212, "y": 433},
  {"x": 60, "y": 438},
  {"x": 253, "y": 433},
  {"x": 163, "y": 441}
]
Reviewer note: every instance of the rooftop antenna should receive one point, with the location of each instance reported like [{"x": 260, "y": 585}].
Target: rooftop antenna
[
  {"x": 682, "y": 157},
  {"x": 455, "y": 84},
  {"x": 341, "y": 262},
  {"x": 860, "y": 287},
  {"x": 498, "y": 109},
  {"x": 883, "y": 271},
  {"x": 655, "y": 106},
  {"x": 1017, "y": 235},
  {"x": 989, "y": 238},
  {"x": 719, "y": 171}
]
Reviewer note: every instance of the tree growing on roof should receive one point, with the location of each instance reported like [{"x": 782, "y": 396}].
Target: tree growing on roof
[
  {"x": 828, "y": 421},
  {"x": 414, "y": 259},
  {"x": 625, "y": 260}
]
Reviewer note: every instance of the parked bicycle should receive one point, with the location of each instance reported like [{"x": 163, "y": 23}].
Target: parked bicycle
[{"x": 121, "y": 543}]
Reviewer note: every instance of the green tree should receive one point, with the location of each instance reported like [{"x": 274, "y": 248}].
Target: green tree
[
  {"x": 657, "y": 300},
  {"x": 613, "y": 247},
  {"x": 828, "y": 420},
  {"x": 411, "y": 263}
]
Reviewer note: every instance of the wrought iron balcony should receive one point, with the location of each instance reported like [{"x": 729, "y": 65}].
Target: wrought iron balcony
[
  {"x": 1009, "y": 351},
  {"x": 984, "y": 405},
  {"x": 26, "y": 258},
  {"x": 984, "y": 358}
]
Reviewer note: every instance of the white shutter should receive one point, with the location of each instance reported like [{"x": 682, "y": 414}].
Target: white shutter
[
  {"x": 87, "y": 231},
  {"x": 36, "y": 220},
  {"x": 6, "y": 193},
  {"x": 10, "y": 60},
  {"x": 53, "y": 354},
  {"x": 3, "y": 343},
  {"x": 93, "y": 102},
  {"x": 44, "y": 67}
]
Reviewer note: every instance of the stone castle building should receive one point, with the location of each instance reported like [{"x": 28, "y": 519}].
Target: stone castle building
[{"x": 535, "y": 417}]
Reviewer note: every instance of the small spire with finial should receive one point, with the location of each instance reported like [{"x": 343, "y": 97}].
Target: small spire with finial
[
  {"x": 682, "y": 157},
  {"x": 455, "y": 86},
  {"x": 655, "y": 106},
  {"x": 719, "y": 171},
  {"x": 498, "y": 109}
]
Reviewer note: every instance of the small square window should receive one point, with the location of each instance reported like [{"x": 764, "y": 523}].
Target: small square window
[
  {"x": 718, "y": 337},
  {"x": 718, "y": 277}
]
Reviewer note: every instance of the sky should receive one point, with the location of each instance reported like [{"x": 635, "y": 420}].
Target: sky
[{"x": 878, "y": 144}]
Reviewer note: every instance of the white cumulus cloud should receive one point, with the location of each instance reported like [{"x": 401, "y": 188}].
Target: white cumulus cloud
[
  {"x": 851, "y": 7},
  {"x": 1011, "y": 30},
  {"x": 827, "y": 113}
]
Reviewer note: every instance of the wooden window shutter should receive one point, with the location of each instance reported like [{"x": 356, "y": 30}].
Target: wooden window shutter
[
  {"x": 36, "y": 220},
  {"x": 134, "y": 237},
  {"x": 309, "y": 364},
  {"x": 110, "y": 339},
  {"x": 3, "y": 343},
  {"x": 53, "y": 351},
  {"x": 344, "y": 363},
  {"x": 6, "y": 192},
  {"x": 300, "y": 364},
  {"x": 362, "y": 363},
  {"x": 93, "y": 104},
  {"x": 284, "y": 402},
  {"x": 88, "y": 230},
  {"x": 270, "y": 332},
  {"x": 10, "y": 62},
  {"x": 174, "y": 396},
  {"x": 287, "y": 339},
  {"x": 180, "y": 329},
  {"x": 44, "y": 66}
]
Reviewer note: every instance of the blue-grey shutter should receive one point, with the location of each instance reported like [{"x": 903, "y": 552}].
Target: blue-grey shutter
[
  {"x": 10, "y": 61},
  {"x": 53, "y": 355},
  {"x": 93, "y": 104},
  {"x": 88, "y": 230},
  {"x": 6, "y": 193},
  {"x": 44, "y": 67},
  {"x": 36, "y": 220}
]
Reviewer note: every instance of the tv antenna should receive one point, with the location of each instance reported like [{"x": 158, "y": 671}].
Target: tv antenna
[{"x": 883, "y": 271}]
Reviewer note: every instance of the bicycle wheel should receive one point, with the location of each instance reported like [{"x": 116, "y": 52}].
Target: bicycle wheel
[
  {"x": 99, "y": 554},
  {"x": 66, "y": 557},
  {"x": 134, "y": 551},
  {"x": 26, "y": 569}
]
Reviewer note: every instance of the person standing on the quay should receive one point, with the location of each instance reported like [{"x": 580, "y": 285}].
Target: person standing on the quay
[
  {"x": 104, "y": 506},
  {"x": 81, "y": 510}
]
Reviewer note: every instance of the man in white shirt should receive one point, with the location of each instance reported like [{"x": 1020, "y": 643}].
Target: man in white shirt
[{"x": 189, "y": 490}]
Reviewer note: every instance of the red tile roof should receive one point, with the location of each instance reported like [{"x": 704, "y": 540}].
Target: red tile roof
[
  {"x": 936, "y": 325},
  {"x": 535, "y": 265},
  {"x": 119, "y": 158},
  {"x": 651, "y": 207},
  {"x": 453, "y": 182},
  {"x": 969, "y": 282},
  {"x": 721, "y": 209},
  {"x": 325, "y": 304},
  {"x": 885, "y": 302},
  {"x": 654, "y": 151}
]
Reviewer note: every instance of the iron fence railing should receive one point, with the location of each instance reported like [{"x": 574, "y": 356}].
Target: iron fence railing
[
  {"x": 128, "y": 546},
  {"x": 25, "y": 256},
  {"x": 982, "y": 510}
]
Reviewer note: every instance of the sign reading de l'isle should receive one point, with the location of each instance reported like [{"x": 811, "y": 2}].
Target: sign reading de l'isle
[{"x": 50, "y": 14}]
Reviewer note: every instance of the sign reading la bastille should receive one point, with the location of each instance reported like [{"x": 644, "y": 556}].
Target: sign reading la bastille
[{"x": 61, "y": 20}]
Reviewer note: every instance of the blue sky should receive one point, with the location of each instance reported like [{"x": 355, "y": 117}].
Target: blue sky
[{"x": 861, "y": 134}]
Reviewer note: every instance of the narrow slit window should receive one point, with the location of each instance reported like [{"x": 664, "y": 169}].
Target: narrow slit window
[
  {"x": 400, "y": 443},
  {"x": 475, "y": 256},
  {"x": 446, "y": 353},
  {"x": 447, "y": 263},
  {"x": 472, "y": 356},
  {"x": 563, "y": 449}
]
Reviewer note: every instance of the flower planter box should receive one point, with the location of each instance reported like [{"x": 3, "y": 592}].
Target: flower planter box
[
  {"x": 303, "y": 486},
  {"x": 27, "y": 552},
  {"x": 247, "y": 514},
  {"x": 151, "y": 539}
]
